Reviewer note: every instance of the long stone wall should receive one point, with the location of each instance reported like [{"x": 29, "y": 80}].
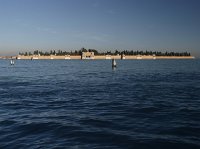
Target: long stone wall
[{"x": 104, "y": 57}]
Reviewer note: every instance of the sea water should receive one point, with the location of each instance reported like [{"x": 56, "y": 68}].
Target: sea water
[{"x": 87, "y": 104}]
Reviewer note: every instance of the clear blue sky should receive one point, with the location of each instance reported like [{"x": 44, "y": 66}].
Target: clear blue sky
[{"x": 27, "y": 25}]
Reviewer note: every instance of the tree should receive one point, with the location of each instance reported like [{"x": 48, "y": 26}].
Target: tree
[
  {"x": 93, "y": 50},
  {"x": 83, "y": 50},
  {"x": 36, "y": 52}
]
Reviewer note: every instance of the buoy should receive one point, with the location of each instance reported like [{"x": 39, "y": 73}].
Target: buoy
[
  {"x": 12, "y": 62},
  {"x": 114, "y": 64}
]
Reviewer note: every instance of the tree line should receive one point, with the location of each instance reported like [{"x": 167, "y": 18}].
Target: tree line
[{"x": 96, "y": 52}]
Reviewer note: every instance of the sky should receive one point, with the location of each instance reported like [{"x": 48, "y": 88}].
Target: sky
[{"x": 161, "y": 25}]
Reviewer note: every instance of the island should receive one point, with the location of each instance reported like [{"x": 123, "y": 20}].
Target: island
[{"x": 94, "y": 54}]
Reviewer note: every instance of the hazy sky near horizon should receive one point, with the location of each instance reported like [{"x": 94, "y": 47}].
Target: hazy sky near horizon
[{"x": 27, "y": 25}]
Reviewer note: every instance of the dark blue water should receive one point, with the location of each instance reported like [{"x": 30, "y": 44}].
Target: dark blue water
[{"x": 85, "y": 104}]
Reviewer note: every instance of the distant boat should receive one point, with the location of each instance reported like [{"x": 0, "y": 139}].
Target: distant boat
[
  {"x": 12, "y": 62},
  {"x": 114, "y": 64}
]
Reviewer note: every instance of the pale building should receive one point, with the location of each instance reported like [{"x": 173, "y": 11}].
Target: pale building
[{"x": 87, "y": 55}]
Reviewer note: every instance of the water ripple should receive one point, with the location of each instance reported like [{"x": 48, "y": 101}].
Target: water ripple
[{"x": 86, "y": 104}]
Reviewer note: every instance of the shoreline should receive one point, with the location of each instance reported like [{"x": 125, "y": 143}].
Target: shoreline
[
  {"x": 104, "y": 57},
  {"x": 98, "y": 57}
]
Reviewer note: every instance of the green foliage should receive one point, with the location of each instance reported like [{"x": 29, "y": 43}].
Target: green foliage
[{"x": 93, "y": 50}]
